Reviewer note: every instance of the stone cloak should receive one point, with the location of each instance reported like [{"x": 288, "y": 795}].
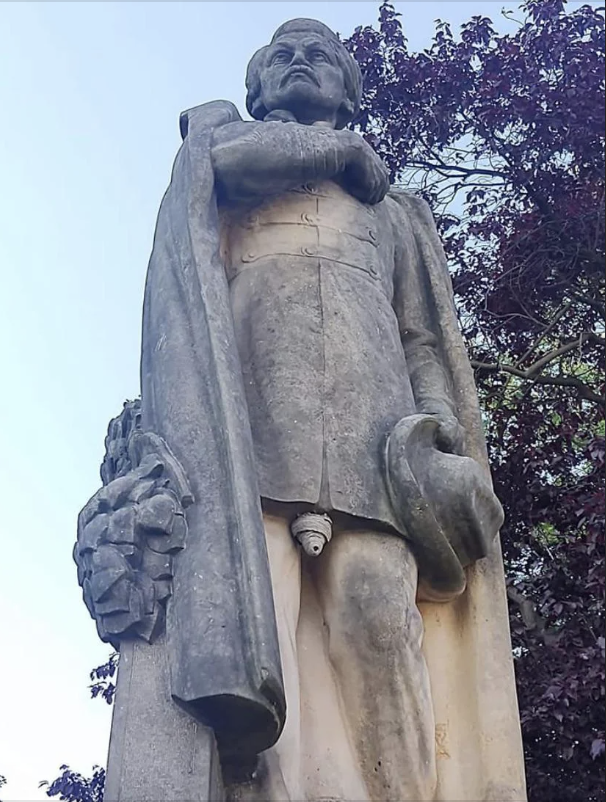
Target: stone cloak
[{"x": 221, "y": 633}]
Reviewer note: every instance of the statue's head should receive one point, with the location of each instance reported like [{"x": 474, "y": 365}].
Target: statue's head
[{"x": 307, "y": 72}]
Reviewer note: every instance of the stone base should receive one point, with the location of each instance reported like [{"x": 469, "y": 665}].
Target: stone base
[{"x": 157, "y": 752}]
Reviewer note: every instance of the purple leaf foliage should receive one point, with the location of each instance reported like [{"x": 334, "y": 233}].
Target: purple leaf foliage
[{"x": 73, "y": 787}]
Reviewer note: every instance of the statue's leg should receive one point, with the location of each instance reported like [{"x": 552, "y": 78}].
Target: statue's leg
[
  {"x": 329, "y": 762},
  {"x": 314, "y": 758},
  {"x": 367, "y": 584},
  {"x": 284, "y": 759}
]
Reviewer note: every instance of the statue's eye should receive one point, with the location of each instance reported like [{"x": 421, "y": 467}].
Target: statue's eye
[
  {"x": 318, "y": 56},
  {"x": 281, "y": 57}
]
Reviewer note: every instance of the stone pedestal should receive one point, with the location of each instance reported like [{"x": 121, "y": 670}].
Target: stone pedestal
[{"x": 157, "y": 752}]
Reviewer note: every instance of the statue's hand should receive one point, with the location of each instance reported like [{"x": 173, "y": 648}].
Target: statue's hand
[
  {"x": 365, "y": 176},
  {"x": 450, "y": 436},
  {"x": 253, "y": 159}
]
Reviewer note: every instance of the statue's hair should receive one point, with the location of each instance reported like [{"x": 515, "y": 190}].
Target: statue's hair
[{"x": 351, "y": 71}]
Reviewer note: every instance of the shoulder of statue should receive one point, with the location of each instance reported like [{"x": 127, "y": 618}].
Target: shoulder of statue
[
  {"x": 208, "y": 115},
  {"x": 410, "y": 203},
  {"x": 416, "y": 210}
]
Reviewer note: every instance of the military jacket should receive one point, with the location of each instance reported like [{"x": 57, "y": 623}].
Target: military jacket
[{"x": 316, "y": 287}]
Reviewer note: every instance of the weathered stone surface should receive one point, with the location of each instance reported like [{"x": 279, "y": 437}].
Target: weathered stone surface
[
  {"x": 301, "y": 362},
  {"x": 444, "y": 503},
  {"x": 157, "y": 752},
  {"x": 128, "y": 534}
]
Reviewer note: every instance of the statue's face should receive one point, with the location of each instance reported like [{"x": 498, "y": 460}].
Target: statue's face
[{"x": 302, "y": 75}]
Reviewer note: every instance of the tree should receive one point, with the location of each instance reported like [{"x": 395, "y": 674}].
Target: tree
[
  {"x": 73, "y": 787},
  {"x": 102, "y": 677},
  {"x": 503, "y": 134},
  {"x": 70, "y": 786}
]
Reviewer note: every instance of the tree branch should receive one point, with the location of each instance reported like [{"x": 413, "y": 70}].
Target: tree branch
[
  {"x": 537, "y": 366},
  {"x": 593, "y": 304},
  {"x": 531, "y": 619},
  {"x": 556, "y": 318},
  {"x": 439, "y": 165},
  {"x": 584, "y": 391}
]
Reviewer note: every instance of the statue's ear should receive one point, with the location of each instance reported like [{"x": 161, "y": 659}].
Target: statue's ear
[
  {"x": 184, "y": 123},
  {"x": 346, "y": 113}
]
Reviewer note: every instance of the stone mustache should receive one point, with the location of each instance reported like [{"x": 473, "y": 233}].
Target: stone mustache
[{"x": 292, "y": 515}]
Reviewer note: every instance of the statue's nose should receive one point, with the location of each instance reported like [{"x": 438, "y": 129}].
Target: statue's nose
[{"x": 299, "y": 58}]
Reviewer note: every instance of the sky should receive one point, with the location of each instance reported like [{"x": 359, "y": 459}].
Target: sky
[{"x": 90, "y": 95}]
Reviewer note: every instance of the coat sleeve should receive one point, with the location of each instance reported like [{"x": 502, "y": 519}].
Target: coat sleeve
[{"x": 416, "y": 316}]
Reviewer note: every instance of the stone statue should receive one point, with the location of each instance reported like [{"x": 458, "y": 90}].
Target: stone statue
[{"x": 297, "y": 529}]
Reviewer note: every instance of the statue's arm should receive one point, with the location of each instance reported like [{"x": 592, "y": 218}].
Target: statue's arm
[
  {"x": 429, "y": 384},
  {"x": 253, "y": 159},
  {"x": 418, "y": 327}
]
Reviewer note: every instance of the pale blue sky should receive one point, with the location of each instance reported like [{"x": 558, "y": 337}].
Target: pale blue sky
[{"x": 90, "y": 95}]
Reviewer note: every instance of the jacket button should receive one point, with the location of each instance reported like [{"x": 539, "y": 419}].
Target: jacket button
[{"x": 307, "y": 250}]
